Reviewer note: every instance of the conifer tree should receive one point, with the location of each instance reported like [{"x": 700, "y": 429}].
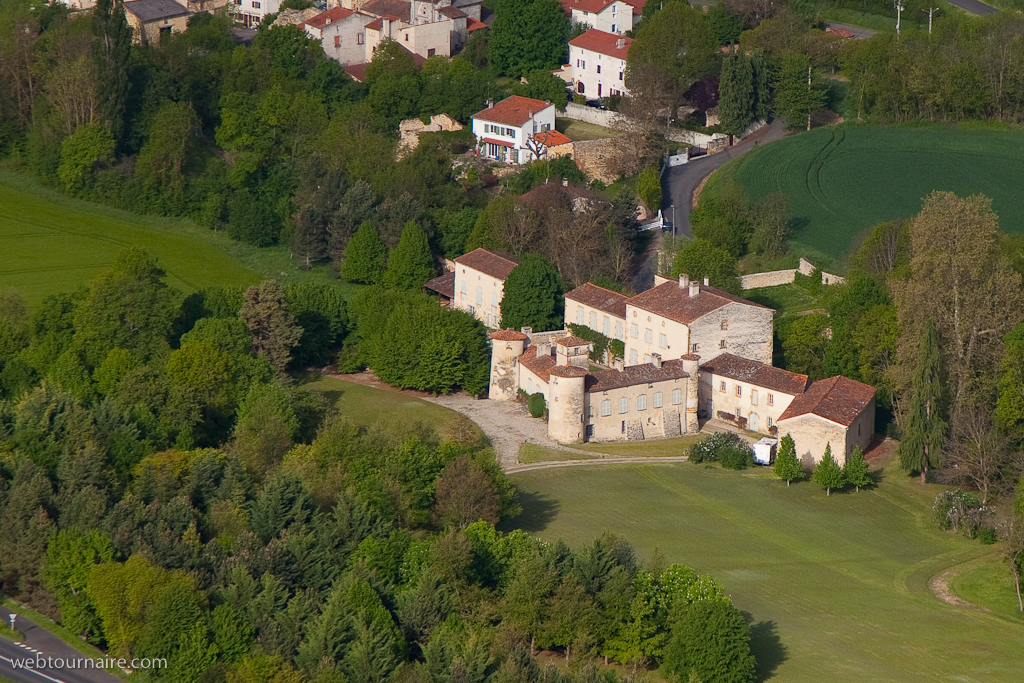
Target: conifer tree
[
  {"x": 827, "y": 473},
  {"x": 924, "y": 428},
  {"x": 410, "y": 263},
  {"x": 787, "y": 465},
  {"x": 112, "y": 46},
  {"x": 736, "y": 94},
  {"x": 365, "y": 256},
  {"x": 273, "y": 327},
  {"x": 856, "y": 470}
]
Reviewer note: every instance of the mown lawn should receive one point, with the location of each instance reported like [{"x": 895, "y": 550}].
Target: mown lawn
[
  {"x": 530, "y": 452},
  {"x": 367, "y": 406},
  {"x": 843, "y": 180},
  {"x": 990, "y": 585},
  {"x": 50, "y": 243},
  {"x": 649, "y": 448},
  {"x": 836, "y": 587},
  {"x": 581, "y": 130},
  {"x": 788, "y": 300}
]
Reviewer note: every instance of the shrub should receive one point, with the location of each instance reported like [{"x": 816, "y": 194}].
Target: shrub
[
  {"x": 987, "y": 535},
  {"x": 960, "y": 511},
  {"x": 537, "y": 405},
  {"x": 648, "y": 186},
  {"x": 724, "y": 447}
]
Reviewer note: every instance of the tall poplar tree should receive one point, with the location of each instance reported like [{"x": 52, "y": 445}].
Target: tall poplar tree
[
  {"x": 924, "y": 428},
  {"x": 111, "y": 51}
]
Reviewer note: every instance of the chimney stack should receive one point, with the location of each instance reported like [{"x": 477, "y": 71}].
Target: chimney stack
[
  {"x": 694, "y": 288},
  {"x": 620, "y": 43},
  {"x": 526, "y": 330},
  {"x": 490, "y": 103},
  {"x": 618, "y": 364},
  {"x": 656, "y": 360},
  {"x": 706, "y": 283},
  {"x": 684, "y": 281}
]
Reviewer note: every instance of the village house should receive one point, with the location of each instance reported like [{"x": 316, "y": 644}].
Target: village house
[
  {"x": 597, "y": 64},
  {"x": 611, "y": 16},
  {"x": 753, "y": 395},
  {"x": 252, "y": 12},
  {"x": 477, "y": 284},
  {"x": 600, "y": 309},
  {"x": 152, "y": 19},
  {"x": 505, "y": 131},
  {"x": 341, "y": 33}
]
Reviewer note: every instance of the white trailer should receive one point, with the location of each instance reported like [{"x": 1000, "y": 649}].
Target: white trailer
[{"x": 764, "y": 451}]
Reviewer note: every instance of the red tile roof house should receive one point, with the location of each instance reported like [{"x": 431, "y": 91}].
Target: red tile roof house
[
  {"x": 597, "y": 64},
  {"x": 611, "y": 16},
  {"x": 504, "y": 131}
]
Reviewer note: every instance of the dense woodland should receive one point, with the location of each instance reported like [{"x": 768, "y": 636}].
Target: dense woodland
[{"x": 168, "y": 490}]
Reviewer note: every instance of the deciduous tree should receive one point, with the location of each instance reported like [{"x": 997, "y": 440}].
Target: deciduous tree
[
  {"x": 533, "y": 295},
  {"x": 273, "y": 328},
  {"x": 528, "y": 35},
  {"x": 700, "y": 259},
  {"x": 464, "y": 493}
]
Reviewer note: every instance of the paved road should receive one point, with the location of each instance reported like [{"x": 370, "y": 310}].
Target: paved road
[
  {"x": 680, "y": 181},
  {"x": 39, "y": 641},
  {"x": 974, "y": 7}
]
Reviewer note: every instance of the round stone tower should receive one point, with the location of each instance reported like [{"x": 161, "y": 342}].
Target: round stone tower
[
  {"x": 566, "y": 400},
  {"x": 506, "y": 347},
  {"x": 690, "y": 367}
]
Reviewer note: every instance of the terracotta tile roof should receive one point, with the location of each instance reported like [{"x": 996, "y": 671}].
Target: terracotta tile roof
[
  {"x": 671, "y": 301},
  {"x": 154, "y": 10},
  {"x": 451, "y": 12},
  {"x": 605, "y": 43},
  {"x": 493, "y": 141},
  {"x": 600, "y": 298},
  {"x": 568, "y": 371},
  {"x": 475, "y": 25},
  {"x": 538, "y": 366},
  {"x": 758, "y": 374},
  {"x": 375, "y": 25},
  {"x": 594, "y": 6},
  {"x": 604, "y": 380},
  {"x": 572, "y": 340},
  {"x": 552, "y": 138},
  {"x": 507, "y": 335},
  {"x": 488, "y": 262},
  {"x": 637, "y": 5},
  {"x": 513, "y": 111},
  {"x": 356, "y": 71},
  {"x": 443, "y": 285},
  {"x": 329, "y": 17},
  {"x": 838, "y": 399},
  {"x": 398, "y": 9}
]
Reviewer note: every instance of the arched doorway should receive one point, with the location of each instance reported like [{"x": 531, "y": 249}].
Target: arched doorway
[
  {"x": 579, "y": 87},
  {"x": 752, "y": 422}
]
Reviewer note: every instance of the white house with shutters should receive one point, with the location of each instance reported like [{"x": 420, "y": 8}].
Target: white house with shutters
[
  {"x": 504, "y": 131},
  {"x": 597, "y": 64},
  {"x": 611, "y": 16}
]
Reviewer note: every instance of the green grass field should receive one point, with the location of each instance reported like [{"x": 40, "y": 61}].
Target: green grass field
[
  {"x": 836, "y": 588},
  {"x": 844, "y": 180},
  {"x": 789, "y": 301},
  {"x": 50, "y": 243},
  {"x": 530, "y": 453},
  {"x": 581, "y": 130},
  {"x": 367, "y": 406}
]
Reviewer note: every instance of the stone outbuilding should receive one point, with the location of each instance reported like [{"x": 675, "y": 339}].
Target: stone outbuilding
[
  {"x": 837, "y": 411},
  {"x": 152, "y": 19}
]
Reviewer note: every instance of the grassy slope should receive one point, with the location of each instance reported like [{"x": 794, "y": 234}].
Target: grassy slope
[
  {"x": 844, "y": 180},
  {"x": 52, "y": 243},
  {"x": 367, "y": 405},
  {"x": 841, "y": 581}
]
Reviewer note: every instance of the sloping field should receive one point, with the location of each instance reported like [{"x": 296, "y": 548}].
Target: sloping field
[
  {"x": 844, "y": 180},
  {"x": 50, "y": 243},
  {"x": 836, "y": 588}
]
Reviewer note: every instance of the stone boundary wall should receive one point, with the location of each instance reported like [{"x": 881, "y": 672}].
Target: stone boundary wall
[
  {"x": 597, "y": 159},
  {"x": 774, "y": 278},
  {"x": 581, "y": 112}
]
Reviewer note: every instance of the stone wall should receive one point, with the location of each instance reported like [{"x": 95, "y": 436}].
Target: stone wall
[
  {"x": 747, "y": 333},
  {"x": 598, "y": 159},
  {"x": 774, "y": 278},
  {"x": 581, "y": 112},
  {"x": 409, "y": 132}
]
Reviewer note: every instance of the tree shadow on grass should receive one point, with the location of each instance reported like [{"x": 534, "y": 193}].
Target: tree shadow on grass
[
  {"x": 767, "y": 648},
  {"x": 538, "y": 511}
]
